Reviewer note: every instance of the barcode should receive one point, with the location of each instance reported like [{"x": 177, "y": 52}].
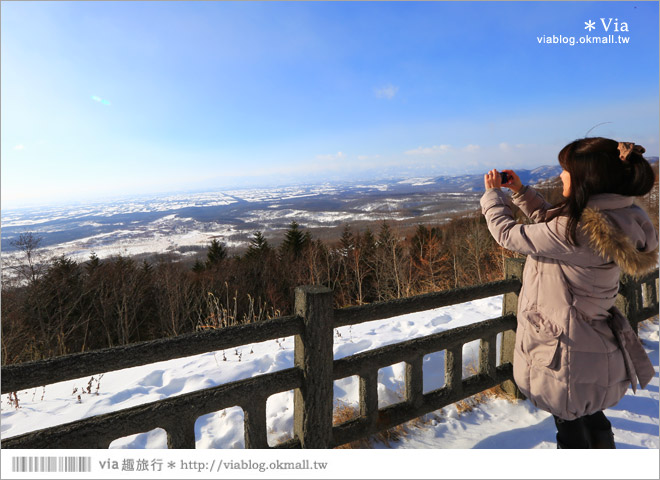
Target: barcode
[{"x": 51, "y": 464}]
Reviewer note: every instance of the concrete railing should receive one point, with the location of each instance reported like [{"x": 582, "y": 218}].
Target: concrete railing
[{"x": 313, "y": 373}]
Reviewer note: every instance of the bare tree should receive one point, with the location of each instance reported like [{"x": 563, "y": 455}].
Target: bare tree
[
  {"x": 31, "y": 264},
  {"x": 477, "y": 242}
]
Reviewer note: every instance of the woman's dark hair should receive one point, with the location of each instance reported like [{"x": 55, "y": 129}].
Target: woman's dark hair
[{"x": 595, "y": 167}]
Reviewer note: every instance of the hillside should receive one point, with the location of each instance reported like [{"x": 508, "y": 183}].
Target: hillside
[{"x": 182, "y": 224}]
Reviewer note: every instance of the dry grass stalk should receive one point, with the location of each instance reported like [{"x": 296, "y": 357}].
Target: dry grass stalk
[
  {"x": 222, "y": 316},
  {"x": 344, "y": 412},
  {"x": 468, "y": 404}
]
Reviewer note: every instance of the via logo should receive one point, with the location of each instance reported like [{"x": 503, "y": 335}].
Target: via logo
[{"x": 610, "y": 23}]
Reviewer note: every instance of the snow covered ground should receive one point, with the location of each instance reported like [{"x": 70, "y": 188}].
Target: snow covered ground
[{"x": 495, "y": 424}]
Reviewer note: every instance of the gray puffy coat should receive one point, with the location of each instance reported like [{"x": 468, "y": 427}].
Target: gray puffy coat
[{"x": 567, "y": 359}]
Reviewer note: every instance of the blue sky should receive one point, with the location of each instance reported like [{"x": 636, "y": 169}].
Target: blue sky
[{"x": 103, "y": 98}]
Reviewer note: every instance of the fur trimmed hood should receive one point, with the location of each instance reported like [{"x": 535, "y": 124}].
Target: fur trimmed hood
[{"x": 611, "y": 242}]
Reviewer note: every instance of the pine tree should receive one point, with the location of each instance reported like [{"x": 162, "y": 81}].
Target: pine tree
[
  {"x": 294, "y": 241},
  {"x": 385, "y": 237},
  {"x": 93, "y": 263},
  {"x": 307, "y": 239},
  {"x": 368, "y": 244},
  {"x": 258, "y": 246},
  {"x": 216, "y": 253},
  {"x": 199, "y": 266},
  {"x": 347, "y": 241}
]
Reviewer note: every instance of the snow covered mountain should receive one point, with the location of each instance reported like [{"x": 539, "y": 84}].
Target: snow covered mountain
[
  {"x": 475, "y": 182},
  {"x": 183, "y": 223}
]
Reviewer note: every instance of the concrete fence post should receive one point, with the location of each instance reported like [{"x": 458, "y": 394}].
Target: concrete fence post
[
  {"x": 513, "y": 268},
  {"x": 254, "y": 425},
  {"x": 314, "y": 356},
  {"x": 181, "y": 433}
]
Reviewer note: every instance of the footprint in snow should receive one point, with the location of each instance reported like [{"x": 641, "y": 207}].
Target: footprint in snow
[
  {"x": 441, "y": 320},
  {"x": 154, "y": 379}
]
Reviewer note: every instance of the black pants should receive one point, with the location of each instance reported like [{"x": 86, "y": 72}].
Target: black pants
[{"x": 590, "y": 431}]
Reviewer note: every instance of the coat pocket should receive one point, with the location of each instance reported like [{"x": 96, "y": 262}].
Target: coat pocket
[{"x": 541, "y": 341}]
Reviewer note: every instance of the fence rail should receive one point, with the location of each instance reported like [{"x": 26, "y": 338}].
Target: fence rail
[
  {"x": 77, "y": 365},
  {"x": 313, "y": 373}
]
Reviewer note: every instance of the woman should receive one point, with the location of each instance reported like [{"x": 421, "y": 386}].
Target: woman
[{"x": 575, "y": 354}]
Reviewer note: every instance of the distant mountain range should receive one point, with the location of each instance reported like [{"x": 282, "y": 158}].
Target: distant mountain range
[
  {"x": 180, "y": 221},
  {"x": 475, "y": 182}
]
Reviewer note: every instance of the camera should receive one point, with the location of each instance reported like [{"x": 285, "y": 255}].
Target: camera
[{"x": 505, "y": 177}]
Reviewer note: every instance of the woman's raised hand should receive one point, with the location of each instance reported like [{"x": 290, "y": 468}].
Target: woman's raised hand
[
  {"x": 492, "y": 179},
  {"x": 514, "y": 182}
]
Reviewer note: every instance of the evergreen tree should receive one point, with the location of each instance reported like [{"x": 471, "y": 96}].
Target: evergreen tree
[
  {"x": 198, "y": 267},
  {"x": 307, "y": 239},
  {"x": 57, "y": 304},
  {"x": 368, "y": 243},
  {"x": 93, "y": 263},
  {"x": 346, "y": 242},
  {"x": 216, "y": 253},
  {"x": 385, "y": 236},
  {"x": 258, "y": 246},
  {"x": 294, "y": 241}
]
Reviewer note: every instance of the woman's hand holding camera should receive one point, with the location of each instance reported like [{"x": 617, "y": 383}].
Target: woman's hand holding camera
[{"x": 508, "y": 178}]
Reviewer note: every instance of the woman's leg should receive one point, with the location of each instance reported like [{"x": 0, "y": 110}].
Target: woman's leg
[
  {"x": 571, "y": 433},
  {"x": 599, "y": 431}
]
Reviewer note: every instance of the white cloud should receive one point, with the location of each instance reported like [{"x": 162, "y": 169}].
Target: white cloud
[
  {"x": 434, "y": 150},
  {"x": 368, "y": 157},
  {"x": 387, "y": 91},
  {"x": 331, "y": 157},
  {"x": 472, "y": 148},
  {"x": 19, "y": 147},
  {"x": 504, "y": 146}
]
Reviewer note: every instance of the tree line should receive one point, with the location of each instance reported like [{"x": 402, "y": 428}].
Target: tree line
[{"x": 64, "y": 306}]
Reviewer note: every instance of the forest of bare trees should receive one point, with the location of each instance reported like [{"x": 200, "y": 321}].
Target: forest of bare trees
[{"x": 63, "y": 306}]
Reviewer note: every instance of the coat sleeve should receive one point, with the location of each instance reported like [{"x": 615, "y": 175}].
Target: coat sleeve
[
  {"x": 543, "y": 239},
  {"x": 532, "y": 204}
]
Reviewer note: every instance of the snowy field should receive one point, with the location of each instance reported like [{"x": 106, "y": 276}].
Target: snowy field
[{"x": 495, "y": 424}]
